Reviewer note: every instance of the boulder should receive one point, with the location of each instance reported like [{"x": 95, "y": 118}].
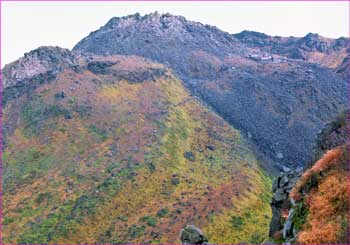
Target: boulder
[
  {"x": 279, "y": 196},
  {"x": 99, "y": 67},
  {"x": 191, "y": 234},
  {"x": 189, "y": 156},
  {"x": 281, "y": 201},
  {"x": 210, "y": 147},
  {"x": 284, "y": 181}
]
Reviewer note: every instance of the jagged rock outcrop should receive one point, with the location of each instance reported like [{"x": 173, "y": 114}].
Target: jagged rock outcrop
[
  {"x": 43, "y": 60},
  {"x": 37, "y": 67},
  {"x": 191, "y": 234},
  {"x": 272, "y": 99},
  {"x": 281, "y": 205}
]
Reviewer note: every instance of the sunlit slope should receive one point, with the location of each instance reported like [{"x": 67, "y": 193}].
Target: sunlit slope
[{"x": 114, "y": 150}]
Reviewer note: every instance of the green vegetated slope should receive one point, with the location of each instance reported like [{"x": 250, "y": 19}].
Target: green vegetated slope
[{"x": 116, "y": 151}]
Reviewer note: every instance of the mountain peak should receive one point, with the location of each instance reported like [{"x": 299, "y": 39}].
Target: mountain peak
[
  {"x": 154, "y": 19},
  {"x": 156, "y": 36}
]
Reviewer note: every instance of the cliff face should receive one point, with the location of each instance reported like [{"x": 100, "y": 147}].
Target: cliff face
[{"x": 279, "y": 102}]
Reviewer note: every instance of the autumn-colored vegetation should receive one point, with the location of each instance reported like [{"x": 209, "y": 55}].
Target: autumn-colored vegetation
[
  {"x": 324, "y": 191},
  {"x": 93, "y": 158},
  {"x": 310, "y": 177}
]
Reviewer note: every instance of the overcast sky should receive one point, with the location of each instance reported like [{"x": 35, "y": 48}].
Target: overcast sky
[{"x": 28, "y": 25}]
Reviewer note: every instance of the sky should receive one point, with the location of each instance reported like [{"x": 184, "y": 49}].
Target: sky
[{"x": 28, "y": 25}]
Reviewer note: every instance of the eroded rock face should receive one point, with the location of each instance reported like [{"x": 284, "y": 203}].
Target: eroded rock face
[
  {"x": 281, "y": 204},
  {"x": 289, "y": 232},
  {"x": 43, "y": 60},
  {"x": 191, "y": 234}
]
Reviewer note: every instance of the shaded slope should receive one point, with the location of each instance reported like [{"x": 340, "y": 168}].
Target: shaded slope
[
  {"x": 271, "y": 100},
  {"x": 281, "y": 106},
  {"x": 115, "y": 150}
]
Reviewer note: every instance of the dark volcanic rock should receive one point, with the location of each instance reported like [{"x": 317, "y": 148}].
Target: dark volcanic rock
[
  {"x": 189, "y": 156},
  {"x": 192, "y": 235},
  {"x": 141, "y": 75},
  {"x": 281, "y": 204},
  {"x": 284, "y": 110},
  {"x": 99, "y": 67},
  {"x": 36, "y": 63},
  {"x": 282, "y": 103},
  {"x": 287, "y": 231},
  {"x": 344, "y": 68}
]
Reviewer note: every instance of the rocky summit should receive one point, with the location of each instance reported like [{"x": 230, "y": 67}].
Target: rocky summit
[
  {"x": 157, "y": 129},
  {"x": 252, "y": 80}
]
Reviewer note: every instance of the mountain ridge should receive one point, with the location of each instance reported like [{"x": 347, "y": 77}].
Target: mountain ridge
[{"x": 206, "y": 59}]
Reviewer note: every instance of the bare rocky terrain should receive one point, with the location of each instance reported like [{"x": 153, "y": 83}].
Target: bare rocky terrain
[{"x": 271, "y": 88}]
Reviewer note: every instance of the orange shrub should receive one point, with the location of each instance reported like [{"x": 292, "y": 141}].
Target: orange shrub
[
  {"x": 330, "y": 158},
  {"x": 327, "y": 207},
  {"x": 321, "y": 233},
  {"x": 328, "y": 201}
]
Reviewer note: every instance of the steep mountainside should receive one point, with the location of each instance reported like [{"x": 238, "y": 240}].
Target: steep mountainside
[
  {"x": 272, "y": 100},
  {"x": 114, "y": 150}
]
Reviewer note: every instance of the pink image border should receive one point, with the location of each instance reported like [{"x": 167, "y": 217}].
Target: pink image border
[{"x": 1, "y": 87}]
